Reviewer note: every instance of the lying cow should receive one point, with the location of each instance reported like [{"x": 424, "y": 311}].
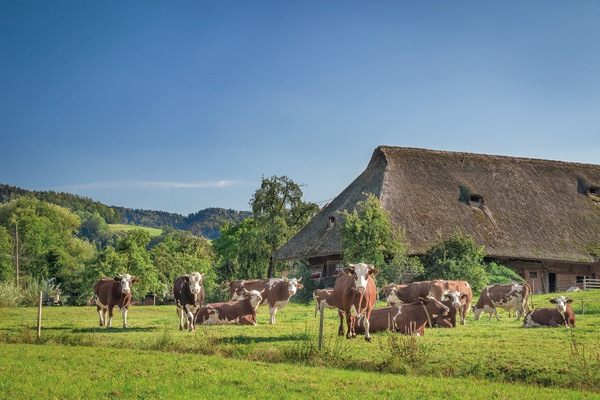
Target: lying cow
[
  {"x": 189, "y": 296},
  {"x": 355, "y": 294},
  {"x": 508, "y": 297},
  {"x": 440, "y": 287},
  {"x": 408, "y": 319},
  {"x": 454, "y": 301},
  {"x": 412, "y": 292},
  {"x": 276, "y": 291},
  {"x": 325, "y": 297},
  {"x": 561, "y": 315},
  {"x": 111, "y": 292},
  {"x": 242, "y": 312},
  {"x": 389, "y": 293}
]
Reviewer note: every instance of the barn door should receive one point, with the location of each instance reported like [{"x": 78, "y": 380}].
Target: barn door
[{"x": 552, "y": 282}]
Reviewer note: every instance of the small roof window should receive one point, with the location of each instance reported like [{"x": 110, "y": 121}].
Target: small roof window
[
  {"x": 476, "y": 201},
  {"x": 330, "y": 222},
  {"x": 594, "y": 192}
]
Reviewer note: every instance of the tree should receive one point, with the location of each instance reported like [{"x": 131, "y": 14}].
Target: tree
[
  {"x": 279, "y": 213},
  {"x": 457, "y": 258},
  {"x": 368, "y": 236},
  {"x": 137, "y": 261}
]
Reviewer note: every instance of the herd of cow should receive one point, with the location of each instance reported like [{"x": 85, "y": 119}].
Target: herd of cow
[{"x": 409, "y": 307}]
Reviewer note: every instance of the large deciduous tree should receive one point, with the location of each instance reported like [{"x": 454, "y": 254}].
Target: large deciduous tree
[
  {"x": 368, "y": 236},
  {"x": 279, "y": 212}
]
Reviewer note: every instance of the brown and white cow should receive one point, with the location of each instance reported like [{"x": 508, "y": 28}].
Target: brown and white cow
[
  {"x": 410, "y": 293},
  {"x": 355, "y": 294},
  {"x": 277, "y": 291},
  {"x": 454, "y": 301},
  {"x": 325, "y": 297},
  {"x": 408, "y": 319},
  {"x": 441, "y": 287},
  {"x": 111, "y": 292},
  {"x": 242, "y": 312},
  {"x": 561, "y": 315},
  {"x": 189, "y": 296},
  {"x": 389, "y": 293},
  {"x": 508, "y": 297}
]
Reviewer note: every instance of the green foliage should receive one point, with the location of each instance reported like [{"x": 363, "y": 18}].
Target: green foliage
[
  {"x": 368, "y": 236},
  {"x": 304, "y": 295},
  {"x": 7, "y": 270},
  {"x": 10, "y": 295},
  {"x": 456, "y": 258},
  {"x": 499, "y": 274},
  {"x": 279, "y": 213}
]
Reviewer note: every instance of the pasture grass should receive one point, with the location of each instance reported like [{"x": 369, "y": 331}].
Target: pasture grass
[
  {"x": 500, "y": 358},
  {"x": 129, "y": 227}
]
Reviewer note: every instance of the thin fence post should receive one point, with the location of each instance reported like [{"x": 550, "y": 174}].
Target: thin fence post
[
  {"x": 582, "y": 308},
  {"x": 322, "y": 312},
  {"x": 39, "y": 326}
]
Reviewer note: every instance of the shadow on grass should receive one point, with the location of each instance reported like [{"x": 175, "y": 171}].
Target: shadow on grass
[
  {"x": 113, "y": 330},
  {"x": 241, "y": 339}
]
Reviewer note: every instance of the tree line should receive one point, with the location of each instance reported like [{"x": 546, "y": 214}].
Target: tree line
[{"x": 206, "y": 223}]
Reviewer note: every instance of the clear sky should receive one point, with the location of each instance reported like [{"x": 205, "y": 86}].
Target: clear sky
[{"x": 182, "y": 105}]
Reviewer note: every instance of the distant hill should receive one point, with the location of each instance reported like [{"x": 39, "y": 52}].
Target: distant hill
[{"x": 204, "y": 223}]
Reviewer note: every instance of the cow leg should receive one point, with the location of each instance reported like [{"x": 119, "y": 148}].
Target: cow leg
[
  {"x": 349, "y": 322},
  {"x": 125, "y": 309},
  {"x": 110, "y": 315},
  {"x": 341, "y": 330},
  {"x": 272, "y": 311},
  {"x": 100, "y": 311},
  {"x": 496, "y": 314},
  {"x": 491, "y": 315},
  {"x": 180, "y": 314},
  {"x": 190, "y": 321},
  {"x": 367, "y": 324},
  {"x": 463, "y": 315}
]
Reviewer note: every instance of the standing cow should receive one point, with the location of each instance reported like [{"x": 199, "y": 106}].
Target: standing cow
[
  {"x": 561, "y": 315},
  {"x": 111, "y": 292},
  {"x": 355, "y": 294},
  {"x": 189, "y": 296},
  {"x": 509, "y": 297},
  {"x": 389, "y": 293},
  {"x": 325, "y": 297},
  {"x": 276, "y": 292},
  {"x": 454, "y": 301},
  {"x": 440, "y": 287}
]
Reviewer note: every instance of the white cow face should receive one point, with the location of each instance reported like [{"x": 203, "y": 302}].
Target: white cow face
[
  {"x": 195, "y": 282},
  {"x": 561, "y": 303},
  {"x": 126, "y": 282},
  {"x": 294, "y": 285},
  {"x": 255, "y": 298},
  {"x": 361, "y": 272},
  {"x": 456, "y": 298},
  {"x": 477, "y": 312}
]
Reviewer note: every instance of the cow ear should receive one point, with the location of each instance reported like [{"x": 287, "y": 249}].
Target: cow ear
[
  {"x": 186, "y": 278},
  {"x": 463, "y": 296},
  {"x": 300, "y": 286},
  {"x": 118, "y": 278},
  {"x": 349, "y": 271},
  {"x": 373, "y": 271},
  {"x": 553, "y": 300},
  {"x": 136, "y": 280},
  {"x": 422, "y": 300},
  {"x": 202, "y": 278},
  {"x": 569, "y": 301}
]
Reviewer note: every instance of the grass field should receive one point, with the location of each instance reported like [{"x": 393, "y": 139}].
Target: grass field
[
  {"x": 75, "y": 358},
  {"x": 125, "y": 228}
]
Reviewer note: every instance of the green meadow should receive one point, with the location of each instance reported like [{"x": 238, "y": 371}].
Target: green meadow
[
  {"x": 126, "y": 228},
  {"x": 75, "y": 358}
]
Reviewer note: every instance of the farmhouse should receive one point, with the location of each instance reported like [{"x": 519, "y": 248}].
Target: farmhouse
[{"x": 540, "y": 217}]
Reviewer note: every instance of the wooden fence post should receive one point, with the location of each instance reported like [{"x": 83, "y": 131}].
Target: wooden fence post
[
  {"x": 582, "y": 308},
  {"x": 39, "y": 326},
  {"x": 322, "y": 312}
]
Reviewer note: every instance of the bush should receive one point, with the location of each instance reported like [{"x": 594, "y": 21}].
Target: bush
[{"x": 10, "y": 295}]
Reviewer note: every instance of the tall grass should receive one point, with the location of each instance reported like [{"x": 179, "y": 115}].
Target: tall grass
[{"x": 10, "y": 295}]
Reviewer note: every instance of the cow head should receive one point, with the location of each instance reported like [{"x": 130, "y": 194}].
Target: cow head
[
  {"x": 433, "y": 306},
  {"x": 561, "y": 303},
  {"x": 126, "y": 282},
  {"x": 361, "y": 272},
  {"x": 293, "y": 285},
  {"x": 456, "y": 298},
  {"x": 194, "y": 281},
  {"x": 254, "y": 296}
]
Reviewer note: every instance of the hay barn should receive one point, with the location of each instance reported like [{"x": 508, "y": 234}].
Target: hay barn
[{"x": 540, "y": 217}]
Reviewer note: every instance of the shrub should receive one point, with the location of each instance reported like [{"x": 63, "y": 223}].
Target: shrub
[{"x": 10, "y": 295}]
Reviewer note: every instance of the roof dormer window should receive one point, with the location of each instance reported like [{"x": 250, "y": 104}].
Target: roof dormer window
[
  {"x": 330, "y": 222},
  {"x": 594, "y": 192},
  {"x": 476, "y": 201}
]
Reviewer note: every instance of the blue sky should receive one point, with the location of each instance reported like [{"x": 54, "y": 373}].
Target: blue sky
[{"x": 182, "y": 105}]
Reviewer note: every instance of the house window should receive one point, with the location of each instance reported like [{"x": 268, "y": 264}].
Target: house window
[
  {"x": 476, "y": 201},
  {"x": 580, "y": 279},
  {"x": 330, "y": 222},
  {"x": 533, "y": 275}
]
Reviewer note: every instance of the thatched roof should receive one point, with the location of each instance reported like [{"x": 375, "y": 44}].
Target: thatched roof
[{"x": 530, "y": 209}]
